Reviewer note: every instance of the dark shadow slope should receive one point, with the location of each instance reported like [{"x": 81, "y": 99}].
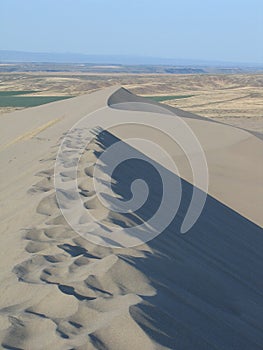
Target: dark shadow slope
[
  {"x": 124, "y": 99},
  {"x": 209, "y": 282}
]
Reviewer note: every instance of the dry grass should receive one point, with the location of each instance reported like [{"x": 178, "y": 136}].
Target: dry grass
[{"x": 236, "y": 99}]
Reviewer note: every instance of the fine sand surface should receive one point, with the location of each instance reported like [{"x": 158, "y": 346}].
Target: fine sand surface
[{"x": 198, "y": 291}]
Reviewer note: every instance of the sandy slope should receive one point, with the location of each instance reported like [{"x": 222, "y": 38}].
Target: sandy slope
[{"x": 201, "y": 291}]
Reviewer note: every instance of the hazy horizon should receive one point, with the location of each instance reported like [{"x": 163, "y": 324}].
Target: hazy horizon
[{"x": 93, "y": 58}]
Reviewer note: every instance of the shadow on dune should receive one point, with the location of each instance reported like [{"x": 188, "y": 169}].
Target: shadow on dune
[
  {"x": 125, "y": 100},
  {"x": 209, "y": 282}
]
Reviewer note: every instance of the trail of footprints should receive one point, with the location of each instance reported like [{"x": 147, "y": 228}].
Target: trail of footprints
[{"x": 87, "y": 281}]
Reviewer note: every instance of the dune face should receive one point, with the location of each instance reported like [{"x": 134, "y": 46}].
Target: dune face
[{"x": 199, "y": 290}]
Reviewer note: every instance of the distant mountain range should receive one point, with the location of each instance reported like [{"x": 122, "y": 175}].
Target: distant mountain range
[{"x": 48, "y": 57}]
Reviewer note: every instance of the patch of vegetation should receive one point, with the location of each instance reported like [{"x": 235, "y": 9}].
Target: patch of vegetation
[
  {"x": 166, "y": 98},
  {"x": 15, "y": 93},
  {"x": 28, "y": 101},
  {"x": 184, "y": 70}
]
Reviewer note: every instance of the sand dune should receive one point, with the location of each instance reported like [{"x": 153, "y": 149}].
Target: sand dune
[{"x": 202, "y": 290}]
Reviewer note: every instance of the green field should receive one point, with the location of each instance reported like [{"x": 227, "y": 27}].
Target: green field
[
  {"x": 15, "y": 93},
  {"x": 21, "y": 99},
  {"x": 11, "y": 99},
  {"x": 166, "y": 98}
]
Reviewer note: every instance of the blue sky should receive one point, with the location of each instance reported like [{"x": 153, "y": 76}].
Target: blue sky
[{"x": 212, "y": 30}]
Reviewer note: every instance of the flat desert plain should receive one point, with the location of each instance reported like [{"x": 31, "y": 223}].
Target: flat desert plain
[{"x": 237, "y": 99}]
